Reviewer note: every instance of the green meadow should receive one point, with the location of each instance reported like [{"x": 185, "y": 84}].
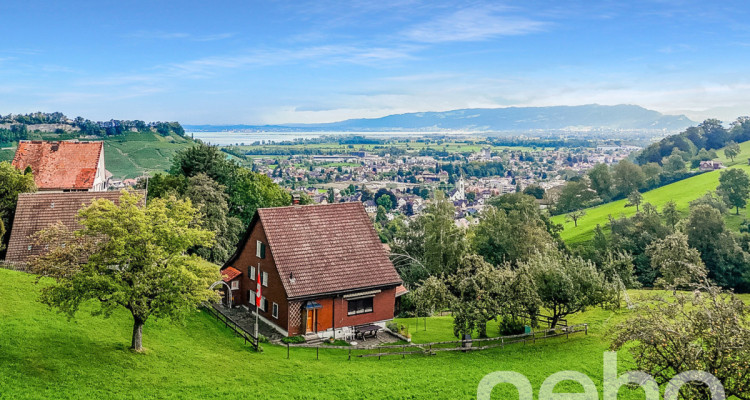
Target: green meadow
[
  {"x": 134, "y": 154},
  {"x": 681, "y": 192},
  {"x": 45, "y": 355}
]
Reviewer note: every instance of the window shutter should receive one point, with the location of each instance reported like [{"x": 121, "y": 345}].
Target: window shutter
[{"x": 262, "y": 250}]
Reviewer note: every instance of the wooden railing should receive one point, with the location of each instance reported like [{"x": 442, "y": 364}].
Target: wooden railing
[{"x": 450, "y": 345}]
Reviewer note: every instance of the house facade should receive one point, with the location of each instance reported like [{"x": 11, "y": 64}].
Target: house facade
[
  {"x": 63, "y": 166},
  {"x": 322, "y": 268}
]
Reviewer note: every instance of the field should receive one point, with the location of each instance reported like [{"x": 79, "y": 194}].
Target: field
[
  {"x": 681, "y": 192},
  {"x": 43, "y": 355},
  {"x": 134, "y": 154}
]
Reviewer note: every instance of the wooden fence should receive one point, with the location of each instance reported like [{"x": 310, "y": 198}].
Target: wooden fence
[
  {"x": 238, "y": 330},
  {"x": 452, "y": 345}
]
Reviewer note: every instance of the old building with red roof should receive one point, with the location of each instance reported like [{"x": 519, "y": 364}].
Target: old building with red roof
[
  {"x": 38, "y": 211},
  {"x": 322, "y": 269},
  {"x": 63, "y": 166}
]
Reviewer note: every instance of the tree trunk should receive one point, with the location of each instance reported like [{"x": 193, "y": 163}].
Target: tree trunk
[
  {"x": 137, "y": 343},
  {"x": 738, "y": 210}
]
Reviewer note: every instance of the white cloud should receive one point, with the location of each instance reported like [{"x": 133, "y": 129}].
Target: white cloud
[{"x": 472, "y": 24}]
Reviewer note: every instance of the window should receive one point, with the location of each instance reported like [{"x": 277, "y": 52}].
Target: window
[
  {"x": 275, "y": 310},
  {"x": 263, "y": 304},
  {"x": 260, "y": 249},
  {"x": 360, "y": 306},
  {"x": 251, "y": 297},
  {"x": 235, "y": 285},
  {"x": 251, "y": 273},
  {"x": 264, "y": 278}
]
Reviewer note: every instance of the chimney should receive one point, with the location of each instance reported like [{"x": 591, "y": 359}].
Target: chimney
[{"x": 295, "y": 199}]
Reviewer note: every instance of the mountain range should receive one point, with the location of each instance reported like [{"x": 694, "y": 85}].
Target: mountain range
[{"x": 585, "y": 117}]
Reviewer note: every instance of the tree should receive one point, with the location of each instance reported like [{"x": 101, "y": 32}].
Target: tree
[
  {"x": 670, "y": 214},
  {"x": 564, "y": 284},
  {"x": 734, "y": 186},
  {"x": 430, "y": 296},
  {"x": 508, "y": 236},
  {"x": 732, "y": 150},
  {"x": 678, "y": 264},
  {"x": 12, "y": 183},
  {"x": 129, "y": 256},
  {"x": 601, "y": 181},
  {"x": 724, "y": 258},
  {"x": 534, "y": 190},
  {"x": 674, "y": 164},
  {"x": 331, "y": 197},
  {"x": 432, "y": 244},
  {"x": 627, "y": 177},
  {"x": 575, "y": 216},
  {"x": 706, "y": 330},
  {"x": 481, "y": 292},
  {"x": 385, "y": 192},
  {"x": 634, "y": 199},
  {"x": 575, "y": 195},
  {"x": 385, "y": 202},
  {"x": 209, "y": 198}
]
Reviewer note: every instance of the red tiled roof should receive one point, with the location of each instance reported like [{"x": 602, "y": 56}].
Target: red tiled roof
[
  {"x": 401, "y": 290},
  {"x": 60, "y": 165},
  {"x": 229, "y": 273},
  {"x": 326, "y": 248},
  {"x": 37, "y": 211}
]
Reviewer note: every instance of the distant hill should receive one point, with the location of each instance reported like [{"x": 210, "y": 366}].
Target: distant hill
[{"x": 591, "y": 116}]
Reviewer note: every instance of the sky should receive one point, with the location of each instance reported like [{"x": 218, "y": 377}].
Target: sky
[{"x": 270, "y": 62}]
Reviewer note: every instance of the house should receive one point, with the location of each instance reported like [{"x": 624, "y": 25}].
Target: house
[
  {"x": 63, "y": 166},
  {"x": 37, "y": 211},
  {"x": 371, "y": 207},
  {"x": 710, "y": 165},
  {"x": 322, "y": 268}
]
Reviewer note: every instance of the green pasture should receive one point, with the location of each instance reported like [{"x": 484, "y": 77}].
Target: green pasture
[
  {"x": 681, "y": 192},
  {"x": 45, "y": 355}
]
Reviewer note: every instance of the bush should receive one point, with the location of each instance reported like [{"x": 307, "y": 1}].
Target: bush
[
  {"x": 262, "y": 339},
  {"x": 392, "y": 326},
  {"x": 293, "y": 339},
  {"x": 510, "y": 326},
  {"x": 337, "y": 342}
]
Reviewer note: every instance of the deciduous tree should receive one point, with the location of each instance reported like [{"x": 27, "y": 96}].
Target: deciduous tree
[
  {"x": 734, "y": 186},
  {"x": 707, "y": 330},
  {"x": 130, "y": 256}
]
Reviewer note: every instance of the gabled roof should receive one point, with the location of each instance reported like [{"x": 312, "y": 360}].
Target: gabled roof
[
  {"x": 324, "y": 249},
  {"x": 37, "y": 211},
  {"x": 59, "y": 165},
  {"x": 229, "y": 273}
]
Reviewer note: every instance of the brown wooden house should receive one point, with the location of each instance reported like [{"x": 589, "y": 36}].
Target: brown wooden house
[{"x": 322, "y": 268}]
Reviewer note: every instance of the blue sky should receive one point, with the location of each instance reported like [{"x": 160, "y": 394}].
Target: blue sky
[{"x": 316, "y": 61}]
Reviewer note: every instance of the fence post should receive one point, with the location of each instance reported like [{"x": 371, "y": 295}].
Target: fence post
[
  {"x": 287, "y": 351},
  {"x": 586, "y": 328},
  {"x": 350, "y": 354},
  {"x": 403, "y": 352}
]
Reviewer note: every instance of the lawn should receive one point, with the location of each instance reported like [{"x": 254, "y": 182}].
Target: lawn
[
  {"x": 681, "y": 192},
  {"x": 43, "y": 355}
]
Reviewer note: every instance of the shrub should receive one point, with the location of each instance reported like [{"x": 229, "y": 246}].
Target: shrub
[
  {"x": 510, "y": 326},
  {"x": 392, "y": 326},
  {"x": 293, "y": 339}
]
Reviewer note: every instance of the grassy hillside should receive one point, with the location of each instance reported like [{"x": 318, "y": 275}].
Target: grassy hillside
[
  {"x": 130, "y": 155},
  {"x": 43, "y": 355},
  {"x": 133, "y": 154},
  {"x": 682, "y": 193}
]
